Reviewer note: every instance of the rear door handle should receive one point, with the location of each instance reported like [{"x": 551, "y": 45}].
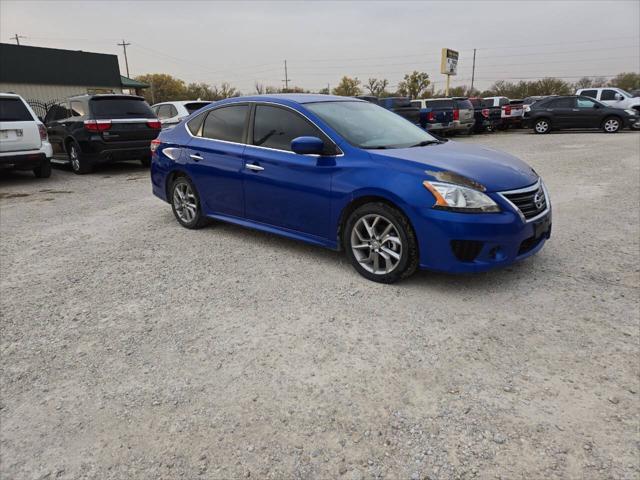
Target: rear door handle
[
  {"x": 255, "y": 168},
  {"x": 196, "y": 157}
]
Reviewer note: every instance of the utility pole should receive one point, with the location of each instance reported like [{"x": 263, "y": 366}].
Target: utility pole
[
  {"x": 126, "y": 61},
  {"x": 17, "y": 38},
  {"x": 328, "y": 89},
  {"x": 473, "y": 71},
  {"x": 286, "y": 77}
]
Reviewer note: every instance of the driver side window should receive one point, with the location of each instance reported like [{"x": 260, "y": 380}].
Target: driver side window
[{"x": 275, "y": 127}]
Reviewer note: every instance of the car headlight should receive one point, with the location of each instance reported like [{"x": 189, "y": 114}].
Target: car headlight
[
  {"x": 457, "y": 198},
  {"x": 631, "y": 111}
]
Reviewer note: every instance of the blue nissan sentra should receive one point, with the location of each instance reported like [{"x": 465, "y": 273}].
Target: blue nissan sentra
[{"x": 349, "y": 175}]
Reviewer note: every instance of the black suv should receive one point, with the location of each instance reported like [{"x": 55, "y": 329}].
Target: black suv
[
  {"x": 93, "y": 129},
  {"x": 560, "y": 112}
]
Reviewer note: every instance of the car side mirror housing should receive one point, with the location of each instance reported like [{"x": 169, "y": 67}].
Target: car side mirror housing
[
  {"x": 596, "y": 105},
  {"x": 307, "y": 146},
  {"x": 619, "y": 97}
]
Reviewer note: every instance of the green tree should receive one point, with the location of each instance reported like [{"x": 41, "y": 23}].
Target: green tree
[
  {"x": 348, "y": 87},
  {"x": 162, "y": 87},
  {"x": 626, "y": 81},
  {"x": 414, "y": 85},
  {"x": 377, "y": 87},
  {"x": 200, "y": 91}
]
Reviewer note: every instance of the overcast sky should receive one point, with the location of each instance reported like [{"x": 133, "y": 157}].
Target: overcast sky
[{"x": 245, "y": 42}]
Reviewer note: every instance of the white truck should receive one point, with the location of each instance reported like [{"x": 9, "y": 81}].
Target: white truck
[
  {"x": 612, "y": 97},
  {"x": 24, "y": 144}
]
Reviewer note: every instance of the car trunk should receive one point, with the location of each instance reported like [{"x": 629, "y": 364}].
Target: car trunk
[
  {"x": 129, "y": 117},
  {"x": 18, "y": 129}
]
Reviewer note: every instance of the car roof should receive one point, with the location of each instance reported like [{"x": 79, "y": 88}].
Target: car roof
[
  {"x": 9, "y": 95},
  {"x": 104, "y": 95},
  {"x": 182, "y": 102},
  {"x": 300, "y": 98}
]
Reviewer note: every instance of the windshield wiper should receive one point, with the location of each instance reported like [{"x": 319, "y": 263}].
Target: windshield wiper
[
  {"x": 424, "y": 143},
  {"x": 376, "y": 147}
]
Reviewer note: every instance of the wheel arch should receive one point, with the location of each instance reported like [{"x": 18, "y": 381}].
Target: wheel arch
[
  {"x": 171, "y": 177},
  {"x": 362, "y": 199}
]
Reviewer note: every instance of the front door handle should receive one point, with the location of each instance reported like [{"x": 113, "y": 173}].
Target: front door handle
[
  {"x": 255, "y": 168},
  {"x": 196, "y": 157}
]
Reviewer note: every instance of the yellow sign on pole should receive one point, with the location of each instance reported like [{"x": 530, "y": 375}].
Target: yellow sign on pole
[
  {"x": 448, "y": 65},
  {"x": 449, "y": 62}
]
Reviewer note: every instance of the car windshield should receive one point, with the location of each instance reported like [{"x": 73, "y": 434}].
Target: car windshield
[{"x": 366, "y": 125}]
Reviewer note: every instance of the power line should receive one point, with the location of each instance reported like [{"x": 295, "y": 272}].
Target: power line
[{"x": 17, "y": 38}]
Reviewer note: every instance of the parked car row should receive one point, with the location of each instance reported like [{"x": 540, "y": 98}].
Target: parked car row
[{"x": 86, "y": 130}]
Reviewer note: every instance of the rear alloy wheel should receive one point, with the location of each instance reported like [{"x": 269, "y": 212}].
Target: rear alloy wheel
[
  {"x": 185, "y": 204},
  {"x": 79, "y": 164},
  {"x": 542, "y": 126},
  {"x": 611, "y": 125},
  {"x": 380, "y": 243},
  {"x": 43, "y": 170}
]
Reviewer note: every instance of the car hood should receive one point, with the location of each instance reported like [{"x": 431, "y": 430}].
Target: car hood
[{"x": 495, "y": 170}]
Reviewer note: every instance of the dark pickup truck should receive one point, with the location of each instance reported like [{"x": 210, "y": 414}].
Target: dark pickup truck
[
  {"x": 487, "y": 116},
  {"x": 400, "y": 105}
]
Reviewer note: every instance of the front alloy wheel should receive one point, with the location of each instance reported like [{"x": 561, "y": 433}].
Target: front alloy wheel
[
  {"x": 611, "y": 125},
  {"x": 376, "y": 244},
  {"x": 380, "y": 243}
]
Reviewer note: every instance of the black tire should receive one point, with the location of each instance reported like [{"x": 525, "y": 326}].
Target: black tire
[
  {"x": 542, "y": 126},
  {"x": 408, "y": 261},
  {"x": 198, "y": 220},
  {"x": 146, "y": 162},
  {"x": 80, "y": 164},
  {"x": 611, "y": 124},
  {"x": 43, "y": 170}
]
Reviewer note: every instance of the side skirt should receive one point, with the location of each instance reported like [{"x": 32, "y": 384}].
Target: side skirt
[{"x": 284, "y": 232}]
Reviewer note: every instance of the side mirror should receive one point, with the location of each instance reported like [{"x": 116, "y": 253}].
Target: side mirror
[
  {"x": 596, "y": 105},
  {"x": 307, "y": 146},
  {"x": 619, "y": 97}
]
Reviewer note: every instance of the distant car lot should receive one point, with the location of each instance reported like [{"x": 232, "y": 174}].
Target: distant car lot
[{"x": 227, "y": 353}]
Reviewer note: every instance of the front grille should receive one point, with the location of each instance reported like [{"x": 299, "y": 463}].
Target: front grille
[
  {"x": 531, "y": 201},
  {"x": 466, "y": 250}
]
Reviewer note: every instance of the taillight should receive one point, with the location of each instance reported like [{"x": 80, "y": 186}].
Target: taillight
[
  {"x": 43, "y": 132},
  {"x": 155, "y": 124},
  {"x": 154, "y": 145},
  {"x": 456, "y": 114},
  {"x": 97, "y": 125},
  {"x": 507, "y": 109},
  {"x": 432, "y": 116},
  {"x": 485, "y": 112}
]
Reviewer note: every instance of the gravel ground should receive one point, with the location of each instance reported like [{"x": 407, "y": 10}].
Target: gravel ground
[{"x": 135, "y": 349}]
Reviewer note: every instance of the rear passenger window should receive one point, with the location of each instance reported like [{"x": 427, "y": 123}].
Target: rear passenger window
[
  {"x": 77, "y": 109},
  {"x": 226, "y": 123},
  {"x": 13, "y": 110},
  {"x": 275, "y": 128},
  {"x": 561, "y": 103},
  {"x": 195, "y": 124},
  {"x": 589, "y": 93},
  {"x": 608, "y": 95}
]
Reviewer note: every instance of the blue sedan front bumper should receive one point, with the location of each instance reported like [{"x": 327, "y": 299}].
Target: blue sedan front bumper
[{"x": 463, "y": 242}]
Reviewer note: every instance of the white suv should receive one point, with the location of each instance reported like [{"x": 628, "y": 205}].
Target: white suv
[
  {"x": 170, "y": 113},
  {"x": 24, "y": 144}
]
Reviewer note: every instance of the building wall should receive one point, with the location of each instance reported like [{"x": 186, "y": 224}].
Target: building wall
[{"x": 48, "y": 93}]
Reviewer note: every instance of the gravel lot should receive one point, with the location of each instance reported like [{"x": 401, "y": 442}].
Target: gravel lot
[{"x": 135, "y": 349}]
